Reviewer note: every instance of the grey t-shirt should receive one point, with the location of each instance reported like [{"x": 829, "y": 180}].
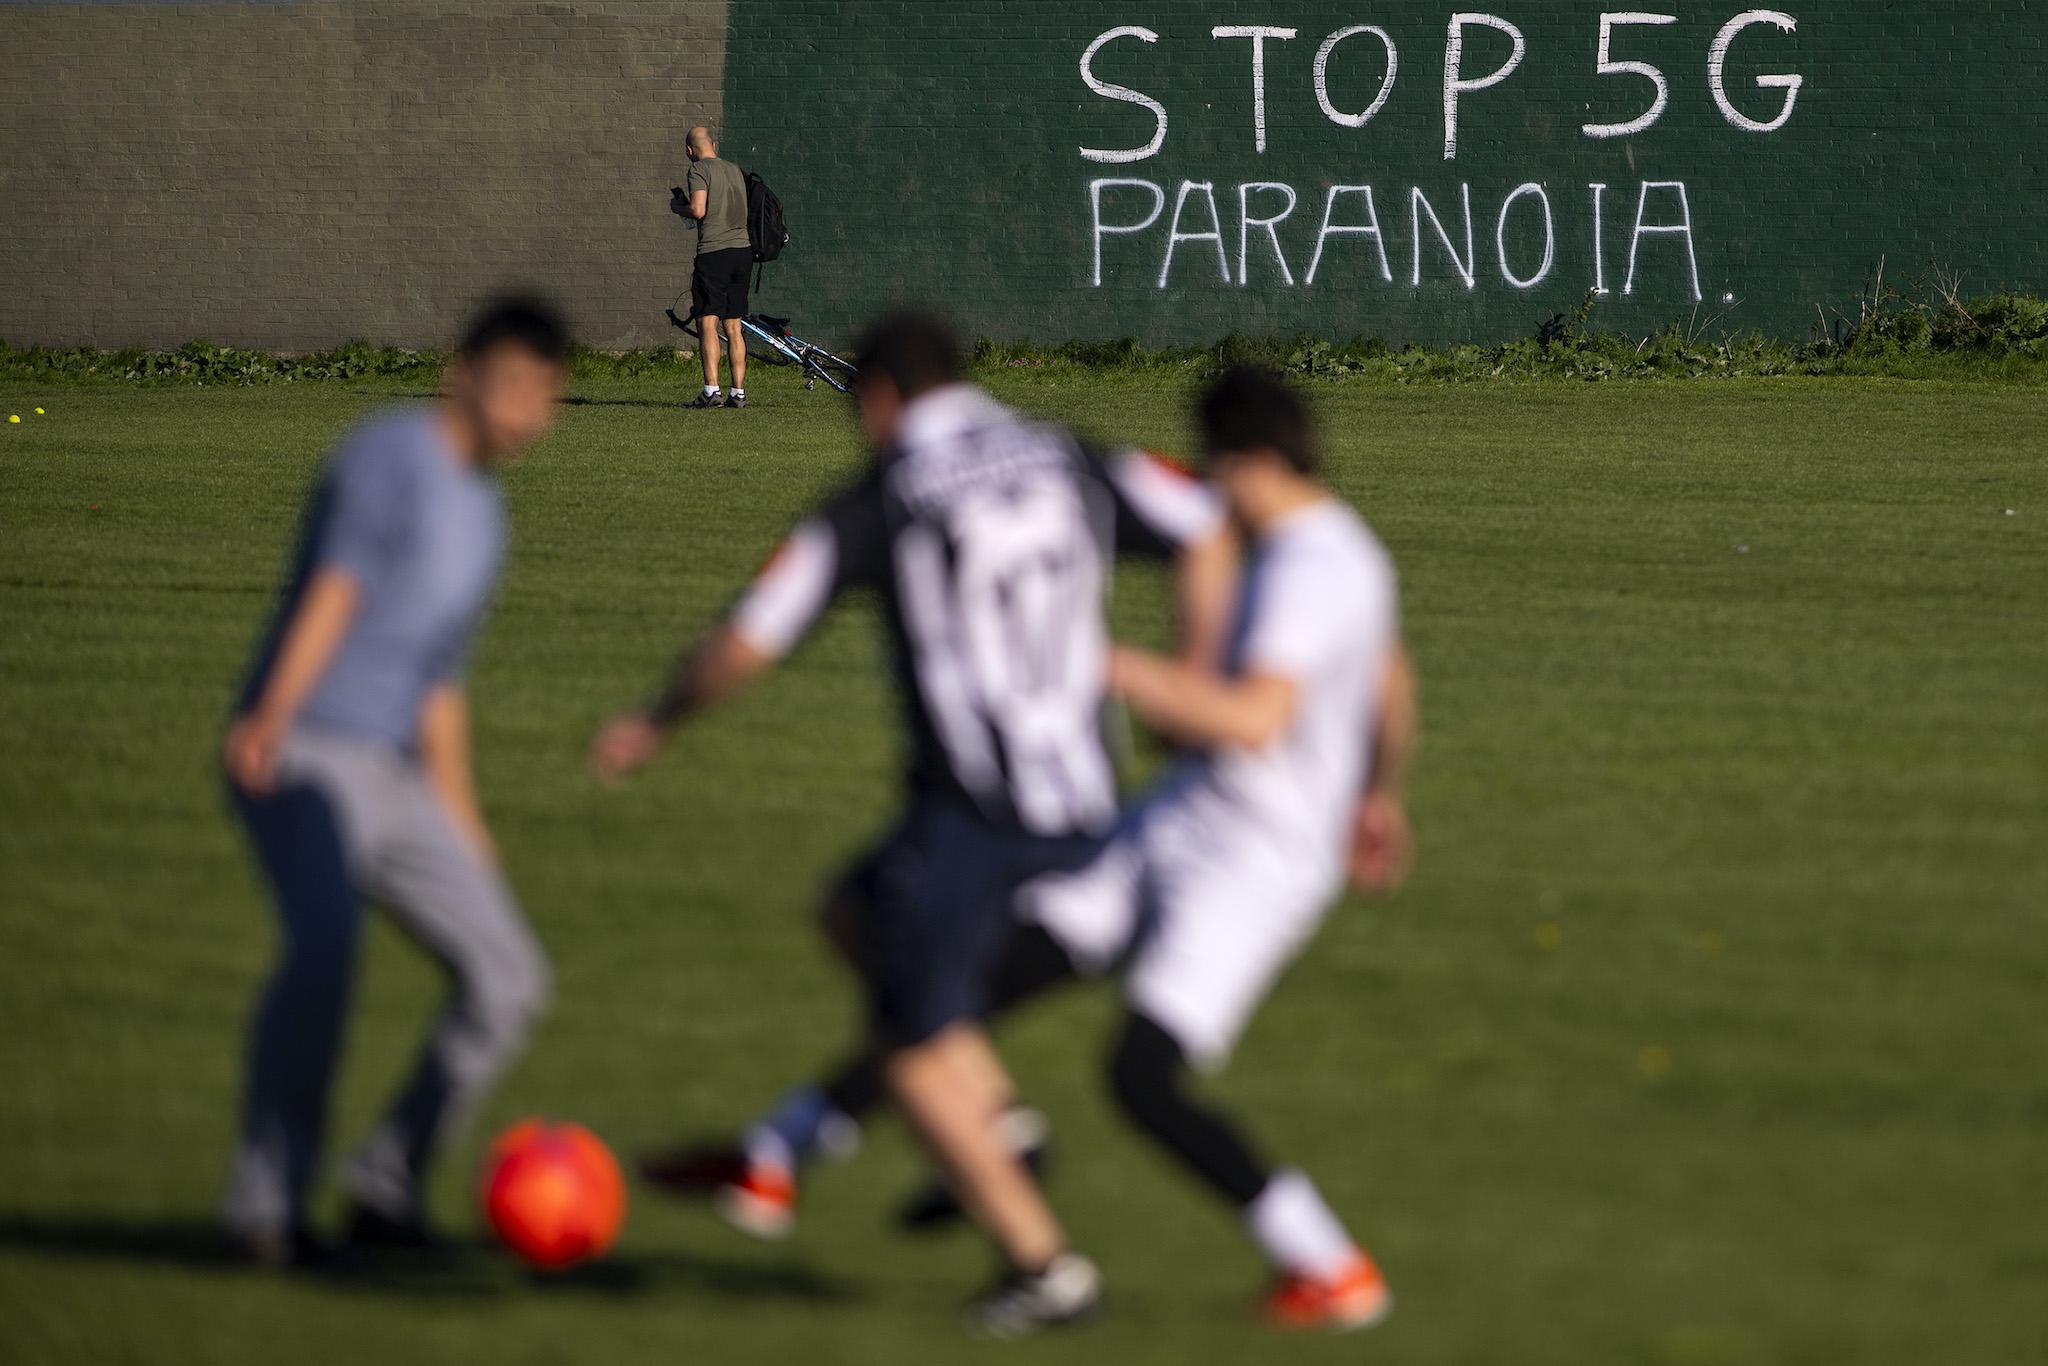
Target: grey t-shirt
[
  {"x": 724, "y": 224},
  {"x": 423, "y": 533}
]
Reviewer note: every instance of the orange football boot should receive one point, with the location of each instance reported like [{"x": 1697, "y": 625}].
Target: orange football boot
[
  {"x": 757, "y": 1198},
  {"x": 760, "y": 1201},
  {"x": 1356, "y": 1297}
]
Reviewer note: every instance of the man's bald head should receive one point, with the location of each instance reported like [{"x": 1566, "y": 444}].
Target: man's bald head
[{"x": 701, "y": 142}]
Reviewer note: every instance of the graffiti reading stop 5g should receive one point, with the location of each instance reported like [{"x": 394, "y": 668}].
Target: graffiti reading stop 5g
[{"x": 1439, "y": 226}]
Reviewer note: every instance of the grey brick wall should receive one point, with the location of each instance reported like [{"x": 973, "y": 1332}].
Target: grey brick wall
[{"x": 297, "y": 175}]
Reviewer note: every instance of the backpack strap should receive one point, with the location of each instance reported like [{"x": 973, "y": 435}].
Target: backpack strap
[{"x": 746, "y": 189}]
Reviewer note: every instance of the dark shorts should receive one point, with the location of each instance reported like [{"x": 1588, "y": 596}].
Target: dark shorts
[
  {"x": 933, "y": 908},
  {"x": 718, "y": 285}
]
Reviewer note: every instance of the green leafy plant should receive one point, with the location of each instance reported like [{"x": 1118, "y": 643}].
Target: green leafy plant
[{"x": 1930, "y": 328}]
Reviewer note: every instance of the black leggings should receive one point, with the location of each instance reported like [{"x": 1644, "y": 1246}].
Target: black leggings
[{"x": 1148, "y": 1075}]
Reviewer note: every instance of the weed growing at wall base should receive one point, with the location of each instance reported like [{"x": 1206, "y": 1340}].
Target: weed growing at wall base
[
  {"x": 200, "y": 362},
  {"x": 1928, "y": 332},
  {"x": 2001, "y": 336}
]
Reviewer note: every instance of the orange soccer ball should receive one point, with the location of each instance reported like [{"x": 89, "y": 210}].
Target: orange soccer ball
[{"x": 553, "y": 1193}]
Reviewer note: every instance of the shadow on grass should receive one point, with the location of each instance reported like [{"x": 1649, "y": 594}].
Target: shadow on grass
[
  {"x": 579, "y": 401},
  {"x": 473, "y": 1270},
  {"x": 199, "y": 1245}
]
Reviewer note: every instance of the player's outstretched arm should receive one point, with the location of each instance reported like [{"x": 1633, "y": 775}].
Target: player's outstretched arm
[
  {"x": 1382, "y": 842},
  {"x": 716, "y": 668},
  {"x": 1163, "y": 511},
  {"x": 842, "y": 545},
  {"x": 1196, "y": 707},
  {"x": 313, "y": 634},
  {"x": 1398, "y": 729},
  {"x": 1205, "y": 590}
]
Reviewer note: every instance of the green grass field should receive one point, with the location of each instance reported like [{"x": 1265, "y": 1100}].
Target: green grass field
[{"x": 1709, "y": 1030}]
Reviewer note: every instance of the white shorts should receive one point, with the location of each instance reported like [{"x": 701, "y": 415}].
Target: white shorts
[{"x": 1208, "y": 917}]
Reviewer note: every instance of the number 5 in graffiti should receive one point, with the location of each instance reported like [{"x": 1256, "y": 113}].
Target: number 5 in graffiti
[{"x": 1458, "y": 81}]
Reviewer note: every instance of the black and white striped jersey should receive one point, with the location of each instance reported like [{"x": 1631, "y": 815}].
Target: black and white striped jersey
[{"x": 988, "y": 537}]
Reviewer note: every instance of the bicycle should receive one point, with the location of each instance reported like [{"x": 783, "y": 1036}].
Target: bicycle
[{"x": 784, "y": 347}]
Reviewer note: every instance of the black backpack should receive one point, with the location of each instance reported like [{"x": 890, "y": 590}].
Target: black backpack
[{"x": 767, "y": 234}]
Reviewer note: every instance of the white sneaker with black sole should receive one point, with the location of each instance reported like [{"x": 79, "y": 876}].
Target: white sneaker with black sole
[{"x": 1022, "y": 1303}]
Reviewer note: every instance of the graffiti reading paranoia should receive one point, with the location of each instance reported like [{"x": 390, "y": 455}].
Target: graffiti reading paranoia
[{"x": 1441, "y": 227}]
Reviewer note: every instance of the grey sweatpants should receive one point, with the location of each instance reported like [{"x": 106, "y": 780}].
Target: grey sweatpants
[{"x": 351, "y": 819}]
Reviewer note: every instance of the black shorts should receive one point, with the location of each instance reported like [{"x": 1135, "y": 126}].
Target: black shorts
[
  {"x": 932, "y": 904},
  {"x": 718, "y": 285}
]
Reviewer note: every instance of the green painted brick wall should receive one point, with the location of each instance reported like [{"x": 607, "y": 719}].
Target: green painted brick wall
[
  {"x": 295, "y": 174},
  {"x": 935, "y": 151}
]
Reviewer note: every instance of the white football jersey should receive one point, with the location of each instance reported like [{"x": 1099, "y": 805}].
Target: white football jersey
[{"x": 1318, "y": 606}]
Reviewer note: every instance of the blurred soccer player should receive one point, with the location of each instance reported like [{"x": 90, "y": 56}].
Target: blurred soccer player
[
  {"x": 349, "y": 762},
  {"x": 1219, "y": 877},
  {"x": 1304, "y": 743},
  {"x": 988, "y": 538}
]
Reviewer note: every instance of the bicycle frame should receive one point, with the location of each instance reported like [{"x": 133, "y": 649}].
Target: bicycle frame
[
  {"x": 817, "y": 363},
  {"x": 813, "y": 360}
]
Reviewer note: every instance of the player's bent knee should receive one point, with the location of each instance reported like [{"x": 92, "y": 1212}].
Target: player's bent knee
[
  {"x": 535, "y": 986},
  {"x": 528, "y": 987},
  {"x": 505, "y": 994}
]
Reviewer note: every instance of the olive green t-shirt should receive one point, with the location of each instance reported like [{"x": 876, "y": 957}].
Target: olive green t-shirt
[{"x": 724, "y": 223}]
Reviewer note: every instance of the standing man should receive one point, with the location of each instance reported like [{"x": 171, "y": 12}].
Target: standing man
[
  {"x": 716, "y": 197},
  {"x": 348, "y": 762},
  {"x": 988, "y": 538}
]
